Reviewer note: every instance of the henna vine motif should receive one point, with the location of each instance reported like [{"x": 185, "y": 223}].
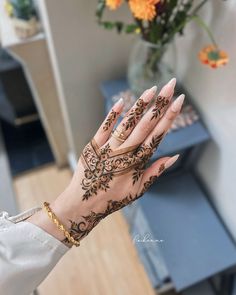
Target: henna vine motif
[
  {"x": 144, "y": 153},
  {"x": 147, "y": 184},
  {"x": 110, "y": 119},
  {"x": 160, "y": 103},
  {"x": 161, "y": 168},
  {"x": 101, "y": 165},
  {"x": 138, "y": 172},
  {"x": 81, "y": 229},
  {"x": 135, "y": 114}
]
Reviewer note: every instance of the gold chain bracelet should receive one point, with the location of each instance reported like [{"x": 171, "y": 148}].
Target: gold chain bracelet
[{"x": 59, "y": 225}]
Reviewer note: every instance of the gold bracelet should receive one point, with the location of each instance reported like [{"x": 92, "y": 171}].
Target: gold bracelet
[{"x": 59, "y": 225}]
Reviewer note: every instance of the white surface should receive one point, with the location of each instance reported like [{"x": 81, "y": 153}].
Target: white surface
[
  {"x": 214, "y": 92},
  {"x": 7, "y": 196},
  {"x": 8, "y": 36},
  {"x": 33, "y": 55},
  {"x": 83, "y": 55}
]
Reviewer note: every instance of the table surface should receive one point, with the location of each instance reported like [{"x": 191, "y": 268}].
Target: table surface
[{"x": 196, "y": 244}]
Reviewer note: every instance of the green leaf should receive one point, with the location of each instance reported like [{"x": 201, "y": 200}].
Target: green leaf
[
  {"x": 100, "y": 8},
  {"x": 131, "y": 28},
  {"x": 119, "y": 26},
  {"x": 171, "y": 4},
  {"x": 108, "y": 25}
]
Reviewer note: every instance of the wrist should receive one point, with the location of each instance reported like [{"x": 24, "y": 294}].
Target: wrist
[
  {"x": 64, "y": 212},
  {"x": 41, "y": 220}
]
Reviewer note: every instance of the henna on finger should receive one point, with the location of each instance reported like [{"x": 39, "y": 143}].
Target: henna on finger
[
  {"x": 161, "y": 104},
  {"x": 135, "y": 114},
  {"x": 143, "y": 155},
  {"x": 102, "y": 165},
  {"x": 110, "y": 119},
  {"x": 161, "y": 168}
]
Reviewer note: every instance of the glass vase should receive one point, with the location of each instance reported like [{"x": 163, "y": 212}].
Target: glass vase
[{"x": 146, "y": 67}]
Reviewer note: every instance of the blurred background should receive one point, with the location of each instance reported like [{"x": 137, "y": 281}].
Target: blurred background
[{"x": 62, "y": 66}]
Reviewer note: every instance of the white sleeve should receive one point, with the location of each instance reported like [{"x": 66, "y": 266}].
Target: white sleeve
[{"x": 27, "y": 254}]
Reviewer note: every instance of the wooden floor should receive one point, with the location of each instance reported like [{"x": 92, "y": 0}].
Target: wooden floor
[{"x": 106, "y": 263}]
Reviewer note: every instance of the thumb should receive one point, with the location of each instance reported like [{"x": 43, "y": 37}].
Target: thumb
[{"x": 154, "y": 171}]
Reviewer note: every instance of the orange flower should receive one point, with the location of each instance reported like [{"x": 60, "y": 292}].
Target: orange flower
[
  {"x": 113, "y": 4},
  {"x": 143, "y": 9},
  {"x": 213, "y": 57}
]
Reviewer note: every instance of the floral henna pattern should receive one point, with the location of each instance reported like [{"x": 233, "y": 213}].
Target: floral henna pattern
[
  {"x": 161, "y": 168},
  {"x": 95, "y": 179},
  {"x": 110, "y": 119},
  {"x": 135, "y": 114},
  {"x": 138, "y": 172},
  {"x": 82, "y": 229},
  {"x": 144, "y": 153},
  {"x": 160, "y": 104},
  {"x": 147, "y": 184},
  {"x": 101, "y": 165}
]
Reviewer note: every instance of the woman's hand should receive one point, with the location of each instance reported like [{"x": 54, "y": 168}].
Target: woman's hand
[{"x": 111, "y": 171}]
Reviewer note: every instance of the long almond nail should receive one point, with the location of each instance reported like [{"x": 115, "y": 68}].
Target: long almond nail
[
  {"x": 177, "y": 104},
  {"x": 171, "y": 161},
  {"x": 119, "y": 105},
  {"x": 149, "y": 94},
  {"x": 153, "y": 89},
  {"x": 172, "y": 82},
  {"x": 168, "y": 89}
]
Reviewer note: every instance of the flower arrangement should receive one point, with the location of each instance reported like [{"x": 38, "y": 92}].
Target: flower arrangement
[
  {"x": 158, "y": 21},
  {"x": 24, "y": 17}
]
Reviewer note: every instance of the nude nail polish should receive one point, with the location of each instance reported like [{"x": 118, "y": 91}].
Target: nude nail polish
[
  {"x": 168, "y": 89},
  {"x": 153, "y": 89},
  {"x": 119, "y": 105},
  {"x": 149, "y": 94},
  {"x": 120, "y": 101},
  {"x": 177, "y": 104},
  {"x": 171, "y": 161},
  {"x": 172, "y": 82}
]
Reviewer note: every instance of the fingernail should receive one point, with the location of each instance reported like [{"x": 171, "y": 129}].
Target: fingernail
[
  {"x": 149, "y": 93},
  {"x": 172, "y": 82},
  {"x": 177, "y": 104},
  {"x": 120, "y": 101},
  {"x": 119, "y": 104},
  {"x": 168, "y": 89},
  {"x": 171, "y": 161},
  {"x": 153, "y": 89}
]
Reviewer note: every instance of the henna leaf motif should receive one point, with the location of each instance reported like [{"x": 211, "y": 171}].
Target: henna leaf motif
[
  {"x": 135, "y": 114},
  {"x": 160, "y": 104},
  {"x": 110, "y": 119},
  {"x": 82, "y": 228}
]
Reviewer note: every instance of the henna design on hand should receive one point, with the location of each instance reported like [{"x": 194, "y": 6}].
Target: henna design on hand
[
  {"x": 82, "y": 228},
  {"x": 110, "y": 119},
  {"x": 101, "y": 165},
  {"x": 161, "y": 168},
  {"x": 138, "y": 172},
  {"x": 147, "y": 184},
  {"x": 160, "y": 104},
  {"x": 144, "y": 153},
  {"x": 135, "y": 114}
]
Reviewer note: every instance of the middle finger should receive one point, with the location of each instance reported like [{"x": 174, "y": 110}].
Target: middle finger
[{"x": 152, "y": 116}]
